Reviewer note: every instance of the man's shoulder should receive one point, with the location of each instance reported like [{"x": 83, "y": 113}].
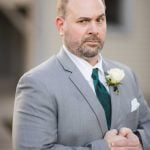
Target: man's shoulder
[
  {"x": 110, "y": 64},
  {"x": 43, "y": 71},
  {"x": 117, "y": 64}
]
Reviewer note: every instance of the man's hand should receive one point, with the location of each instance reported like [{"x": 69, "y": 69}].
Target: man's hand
[
  {"x": 112, "y": 136},
  {"x": 124, "y": 139}
]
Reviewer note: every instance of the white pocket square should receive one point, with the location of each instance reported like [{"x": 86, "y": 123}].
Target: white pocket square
[{"x": 134, "y": 104}]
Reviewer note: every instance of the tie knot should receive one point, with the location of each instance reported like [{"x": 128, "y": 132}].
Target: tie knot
[{"x": 95, "y": 74}]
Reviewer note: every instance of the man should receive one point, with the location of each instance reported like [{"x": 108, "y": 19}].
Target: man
[{"x": 69, "y": 103}]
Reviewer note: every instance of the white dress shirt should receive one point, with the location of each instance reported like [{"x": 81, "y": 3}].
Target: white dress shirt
[{"x": 86, "y": 68}]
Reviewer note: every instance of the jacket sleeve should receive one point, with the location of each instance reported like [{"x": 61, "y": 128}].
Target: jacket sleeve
[
  {"x": 144, "y": 118},
  {"x": 35, "y": 120}
]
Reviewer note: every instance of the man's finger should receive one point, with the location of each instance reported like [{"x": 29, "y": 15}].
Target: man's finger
[{"x": 125, "y": 131}]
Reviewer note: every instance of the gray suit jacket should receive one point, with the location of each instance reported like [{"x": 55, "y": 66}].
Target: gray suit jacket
[{"x": 55, "y": 108}]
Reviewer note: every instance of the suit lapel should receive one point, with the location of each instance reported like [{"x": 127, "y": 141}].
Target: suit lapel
[
  {"x": 91, "y": 99},
  {"x": 115, "y": 102},
  {"x": 84, "y": 88},
  {"x": 115, "y": 99}
]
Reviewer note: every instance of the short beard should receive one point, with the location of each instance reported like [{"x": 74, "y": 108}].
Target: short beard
[
  {"x": 85, "y": 51},
  {"x": 88, "y": 52}
]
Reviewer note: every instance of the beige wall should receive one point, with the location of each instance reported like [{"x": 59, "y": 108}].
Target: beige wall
[
  {"x": 130, "y": 47},
  {"x": 46, "y": 40},
  {"x": 133, "y": 48}
]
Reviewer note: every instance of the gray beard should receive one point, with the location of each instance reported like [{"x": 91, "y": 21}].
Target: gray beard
[{"x": 87, "y": 52}]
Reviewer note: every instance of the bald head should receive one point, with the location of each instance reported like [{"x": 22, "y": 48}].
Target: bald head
[{"x": 62, "y": 5}]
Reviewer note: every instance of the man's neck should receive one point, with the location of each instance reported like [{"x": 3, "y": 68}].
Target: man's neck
[{"x": 92, "y": 60}]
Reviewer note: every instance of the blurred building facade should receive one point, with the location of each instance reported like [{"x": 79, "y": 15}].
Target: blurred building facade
[
  {"x": 15, "y": 30},
  {"x": 28, "y": 37}
]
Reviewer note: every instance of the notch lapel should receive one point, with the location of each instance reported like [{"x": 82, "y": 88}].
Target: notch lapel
[
  {"x": 115, "y": 99},
  {"x": 82, "y": 85},
  {"x": 86, "y": 91},
  {"x": 115, "y": 104}
]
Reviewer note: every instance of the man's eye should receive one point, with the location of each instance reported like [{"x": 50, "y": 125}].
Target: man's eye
[
  {"x": 83, "y": 21},
  {"x": 100, "y": 20}
]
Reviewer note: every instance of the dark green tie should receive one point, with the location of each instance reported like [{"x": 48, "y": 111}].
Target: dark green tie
[{"x": 102, "y": 95}]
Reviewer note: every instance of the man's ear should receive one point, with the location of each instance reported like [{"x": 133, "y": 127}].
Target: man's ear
[{"x": 60, "y": 25}]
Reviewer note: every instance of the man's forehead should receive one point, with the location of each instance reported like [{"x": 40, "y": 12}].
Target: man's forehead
[
  {"x": 84, "y": 3},
  {"x": 86, "y": 8}
]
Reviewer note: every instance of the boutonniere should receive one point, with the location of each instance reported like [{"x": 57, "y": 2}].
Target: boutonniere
[{"x": 114, "y": 77}]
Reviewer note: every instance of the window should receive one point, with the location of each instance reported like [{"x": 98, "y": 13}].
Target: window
[
  {"x": 119, "y": 14},
  {"x": 113, "y": 12},
  {"x": 11, "y": 54}
]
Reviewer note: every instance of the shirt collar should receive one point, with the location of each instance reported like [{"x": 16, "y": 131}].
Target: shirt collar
[{"x": 84, "y": 67}]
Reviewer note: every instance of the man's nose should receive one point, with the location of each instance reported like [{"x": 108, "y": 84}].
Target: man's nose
[{"x": 93, "y": 28}]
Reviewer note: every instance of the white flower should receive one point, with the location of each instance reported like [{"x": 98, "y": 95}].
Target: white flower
[{"x": 114, "y": 77}]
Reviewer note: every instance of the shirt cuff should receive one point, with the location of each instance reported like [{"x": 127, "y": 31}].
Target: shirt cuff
[{"x": 137, "y": 133}]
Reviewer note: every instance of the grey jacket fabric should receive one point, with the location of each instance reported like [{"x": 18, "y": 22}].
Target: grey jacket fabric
[{"x": 55, "y": 108}]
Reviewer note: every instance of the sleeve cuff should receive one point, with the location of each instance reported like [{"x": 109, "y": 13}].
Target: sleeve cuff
[{"x": 137, "y": 133}]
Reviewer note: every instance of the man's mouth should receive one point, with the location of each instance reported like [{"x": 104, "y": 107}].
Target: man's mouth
[{"x": 91, "y": 42}]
